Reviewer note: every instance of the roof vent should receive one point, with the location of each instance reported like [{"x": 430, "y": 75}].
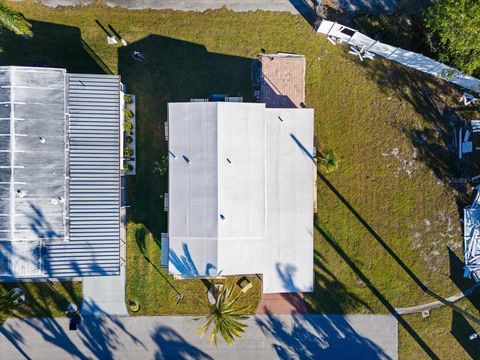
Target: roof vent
[
  {"x": 54, "y": 201},
  {"x": 229, "y": 161},
  {"x": 222, "y": 217},
  {"x": 42, "y": 140},
  {"x": 21, "y": 193},
  {"x": 186, "y": 159}
]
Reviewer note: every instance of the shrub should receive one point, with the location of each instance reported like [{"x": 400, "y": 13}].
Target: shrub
[
  {"x": 128, "y": 114},
  {"x": 328, "y": 162},
  {"x": 128, "y": 99},
  {"x": 127, "y": 167},
  {"x": 134, "y": 305},
  {"x": 454, "y": 27},
  {"x": 128, "y": 126},
  {"x": 127, "y": 152},
  {"x": 161, "y": 166}
]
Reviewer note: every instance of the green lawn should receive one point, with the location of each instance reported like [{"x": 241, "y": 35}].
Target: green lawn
[
  {"x": 390, "y": 206},
  {"x": 43, "y": 299}
]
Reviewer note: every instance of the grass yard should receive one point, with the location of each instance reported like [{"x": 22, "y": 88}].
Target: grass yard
[
  {"x": 43, "y": 299},
  {"x": 388, "y": 218}
]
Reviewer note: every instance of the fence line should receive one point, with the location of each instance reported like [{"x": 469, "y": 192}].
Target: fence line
[{"x": 411, "y": 59}]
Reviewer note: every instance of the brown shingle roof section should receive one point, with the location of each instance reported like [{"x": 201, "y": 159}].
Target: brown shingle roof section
[{"x": 282, "y": 82}]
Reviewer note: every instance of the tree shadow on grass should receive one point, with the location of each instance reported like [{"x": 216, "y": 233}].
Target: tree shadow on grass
[
  {"x": 140, "y": 234},
  {"x": 376, "y": 292},
  {"x": 434, "y": 139},
  {"x": 331, "y": 295},
  {"x": 172, "y": 70}
]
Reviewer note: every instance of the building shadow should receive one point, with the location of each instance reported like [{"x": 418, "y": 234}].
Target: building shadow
[
  {"x": 171, "y": 345},
  {"x": 171, "y": 70},
  {"x": 52, "y": 45},
  {"x": 461, "y": 330}
]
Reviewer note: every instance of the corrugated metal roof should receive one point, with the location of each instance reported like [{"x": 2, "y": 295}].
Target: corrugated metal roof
[
  {"x": 471, "y": 236},
  {"x": 94, "y": 180}
]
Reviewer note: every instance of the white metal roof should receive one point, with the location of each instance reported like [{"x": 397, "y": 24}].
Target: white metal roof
[{"x": 241, "y": 193}]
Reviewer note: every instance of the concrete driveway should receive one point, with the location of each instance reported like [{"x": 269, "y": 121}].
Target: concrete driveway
[{"x": 268, "y": 337}]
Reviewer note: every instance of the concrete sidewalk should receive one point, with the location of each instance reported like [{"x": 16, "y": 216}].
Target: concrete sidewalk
[
  {"x": 292, "y": 6},
  {"x": 268, "y": 337},
  {"x": 105, "y": 295}
]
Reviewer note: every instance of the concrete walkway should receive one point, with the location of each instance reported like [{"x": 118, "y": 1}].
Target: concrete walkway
[
  {"x": 268, "y": 337},
  {"x": 292, "y": 6},
  {"x": 436, "y": 304},
  {"x": 281, "y": 304},
  {"x": 105, "y": 295}
]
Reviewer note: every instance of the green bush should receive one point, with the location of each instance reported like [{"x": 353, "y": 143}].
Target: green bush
[
  {"x": 161, "y": 166},
  {"x": 328, "y": 162},
  {"x": 454, "y": 25},
  {"x": 127, "y": 152},
  {"x": 128, "y": 126},
  {"x": 128, "y": 99},
  {"x": 127, "y": 167},
  {"x": 128, "y": 114}
]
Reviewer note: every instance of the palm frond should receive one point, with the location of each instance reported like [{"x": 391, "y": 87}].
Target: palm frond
[
  {"x": 225, "y": 317},
  {"x": 328, "y": 162},
  {"x": 14, "y": 21}
]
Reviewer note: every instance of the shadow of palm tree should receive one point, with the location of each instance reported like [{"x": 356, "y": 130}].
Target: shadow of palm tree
[
  {"x": 171, "y": 345},
  {"x": 331, "y": 295},
  {"x": 318, "y": 337},
  {"x": 434, "y": 138}
]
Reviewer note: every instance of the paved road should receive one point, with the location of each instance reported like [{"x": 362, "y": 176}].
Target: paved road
[
  {"x": 268, "y": 337},
  {"x": 293, "y": 6}
]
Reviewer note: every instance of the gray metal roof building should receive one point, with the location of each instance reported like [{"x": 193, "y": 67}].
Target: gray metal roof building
[{"x": 59, "y": 173}]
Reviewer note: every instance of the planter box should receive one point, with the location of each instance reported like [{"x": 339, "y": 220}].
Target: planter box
[{"x": 131, "y": 160}]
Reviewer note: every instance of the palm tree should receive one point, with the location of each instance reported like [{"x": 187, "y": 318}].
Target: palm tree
[
  {"x": 328, "y": 162},
  {"x": 14, "y": 21},
  {"x": 224, "y": 317}
]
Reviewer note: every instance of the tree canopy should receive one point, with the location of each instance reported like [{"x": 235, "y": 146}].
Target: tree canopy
[
  {"x": 455, "y": 26},
  {"x": 14, "y": 21}
]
